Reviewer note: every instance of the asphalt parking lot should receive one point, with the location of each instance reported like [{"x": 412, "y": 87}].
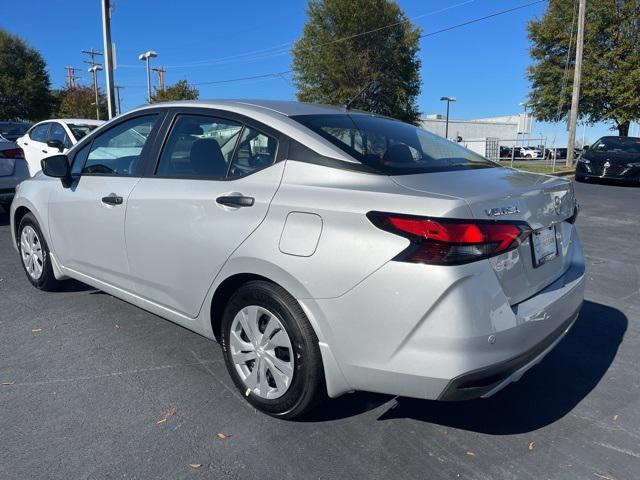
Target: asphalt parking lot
[{"x": 94, "y": 388}]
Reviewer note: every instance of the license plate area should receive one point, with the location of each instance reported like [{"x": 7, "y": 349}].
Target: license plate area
[{"x": 544, "y": 245}]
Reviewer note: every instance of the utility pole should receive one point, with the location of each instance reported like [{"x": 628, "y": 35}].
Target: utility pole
[
  {"x": 71, "y": 76},
  {"x": 118, "y": 87},
  {"x": 160, "y": 71},
  {"x": 106, "y": 37},
  {"x": 577, "y": 77}
]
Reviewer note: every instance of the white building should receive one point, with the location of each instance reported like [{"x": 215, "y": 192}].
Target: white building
[{"x": 507, "y": 129}]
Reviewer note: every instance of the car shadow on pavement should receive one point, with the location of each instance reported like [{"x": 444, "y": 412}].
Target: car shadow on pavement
[{"x": 542, "y": 396}]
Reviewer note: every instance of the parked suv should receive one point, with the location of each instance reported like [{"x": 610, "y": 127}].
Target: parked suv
[{"x": 327, "y": 250}]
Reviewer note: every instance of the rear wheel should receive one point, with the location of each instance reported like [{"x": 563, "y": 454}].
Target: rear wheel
[
  {"x": 271, "y": 350},
  {"x": 34, "y": 254}
]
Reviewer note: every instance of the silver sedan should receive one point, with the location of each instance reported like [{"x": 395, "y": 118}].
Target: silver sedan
[{"x": 327, "y": 250}]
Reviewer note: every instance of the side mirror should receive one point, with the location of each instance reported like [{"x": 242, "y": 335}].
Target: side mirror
[
  {"x": 55, "y": 144},
  {"x": 57, "y": 166}
]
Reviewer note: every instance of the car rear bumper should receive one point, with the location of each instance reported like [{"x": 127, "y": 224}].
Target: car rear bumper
[
  {"x": 445, "y": 333},
  {"x": 7, "y": 194},
  {"x": 8, "y": 183}
]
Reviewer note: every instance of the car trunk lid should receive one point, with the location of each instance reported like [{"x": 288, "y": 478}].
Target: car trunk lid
[{"x": 504, "y": 194}]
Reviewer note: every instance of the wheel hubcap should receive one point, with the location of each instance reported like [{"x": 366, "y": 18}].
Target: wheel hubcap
[
  {"x": 31, "y": 252},
  {"x": 261, "y": 351}
]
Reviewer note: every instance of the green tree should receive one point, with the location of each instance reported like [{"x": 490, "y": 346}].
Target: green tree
[
  {"x": 333, "y": 61},
  {"x": 181, "y": 90},
  {"x": 610, "y": 88},
  {"x": 80, "y": 102},
  {"x": 24, "y": 81}
]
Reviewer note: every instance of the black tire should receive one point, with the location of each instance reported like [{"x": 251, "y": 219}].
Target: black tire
[
  {"x": 307, "y": 387},
  {"x": 46, "y": 281}
]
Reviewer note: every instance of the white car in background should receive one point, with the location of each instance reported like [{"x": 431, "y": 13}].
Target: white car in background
[{"x": 53, "y": 137}]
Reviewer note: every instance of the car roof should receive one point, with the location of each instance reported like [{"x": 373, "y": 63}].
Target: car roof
[
  {"x": 288, "y": 108},
  {"x": 75, "y": 121}
]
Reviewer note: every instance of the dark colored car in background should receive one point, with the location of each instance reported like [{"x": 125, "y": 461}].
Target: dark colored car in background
[
  {"x": 13, "y": 130},
  {"x": 615, "y": 158}
]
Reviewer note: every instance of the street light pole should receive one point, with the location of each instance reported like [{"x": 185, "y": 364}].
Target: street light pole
[
  {"x": 448, "y": 100},
  {"x": 94, "y": 71},
  {"x": 108, "y": 57},
  {"x": 146, "y": 56}
]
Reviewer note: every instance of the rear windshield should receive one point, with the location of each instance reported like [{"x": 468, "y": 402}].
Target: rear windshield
[
  {"x": 80, "y": 131},
  {"x": 392, "y": 147},
  {"x": 13, "y": 130},
  {"x": 616, "y": 144}
]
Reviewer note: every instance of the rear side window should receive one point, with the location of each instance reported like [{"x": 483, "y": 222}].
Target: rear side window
[
  {"x": 255, "y": 151},
  {"x": 56, "y": 132},
  {"x": 39, "y": 133},
  {"x": 390, "y": 146},
  {"x": 117, "y": 151},
  {"x": 199, "y": 147}
]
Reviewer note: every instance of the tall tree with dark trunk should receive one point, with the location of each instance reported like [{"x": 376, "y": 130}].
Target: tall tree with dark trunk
[
  {"x": 335, "y": 61},
  {"x": 610, "y": 90},
  {"x": 24, "y": 81}
]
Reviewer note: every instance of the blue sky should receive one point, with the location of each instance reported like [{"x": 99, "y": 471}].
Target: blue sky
[{"x": 482, "y": 65}]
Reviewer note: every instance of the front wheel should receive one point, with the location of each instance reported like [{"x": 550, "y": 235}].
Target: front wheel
[
  {"x": 34, "y": 253},
  {"x": 271, "y": 350}
]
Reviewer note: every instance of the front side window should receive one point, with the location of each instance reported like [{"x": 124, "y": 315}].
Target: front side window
[
  {"x": 199, "y": 146},
  {"x": 390, "y": 146},
  {"x": 117, "y": 151},
  {"x": 39, "y": 133}
]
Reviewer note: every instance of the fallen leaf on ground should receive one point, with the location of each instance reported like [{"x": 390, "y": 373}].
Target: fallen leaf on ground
[
  {"x": 195, "y": 465},
  {"x": 8, "y": 383},
  {"x": 224, "y": 436},
  {"x": 471, "y": 454},
  {"x": 166, "y": 415},
  {"x": 603, "y": 476},
  {"x": 117, "y": 327},
  {"x": 532, "y": 445},
  {"x": 615, "y": 418},
  {"x": 36, "y": 330}
]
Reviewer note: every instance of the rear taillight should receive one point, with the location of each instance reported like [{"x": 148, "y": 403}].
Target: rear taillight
[
  {"x": 12, "y": 153},
  {"x": 450, "y": 241}
]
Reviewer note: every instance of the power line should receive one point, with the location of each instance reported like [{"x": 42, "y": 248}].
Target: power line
[
  {"x": 476, "y": 20},
  {"x": 284, "y": 48},
  {"x": 430, "y": 34}
]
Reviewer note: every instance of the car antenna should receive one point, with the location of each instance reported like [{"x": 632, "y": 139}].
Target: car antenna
[{"x": 364, "y": 89}]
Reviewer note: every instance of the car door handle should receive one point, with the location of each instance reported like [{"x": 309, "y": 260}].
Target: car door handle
[
  {"x": 235, "y": 201},
  {"x": 112, "y": 200},
  {"x": 44, "y": 151}
]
